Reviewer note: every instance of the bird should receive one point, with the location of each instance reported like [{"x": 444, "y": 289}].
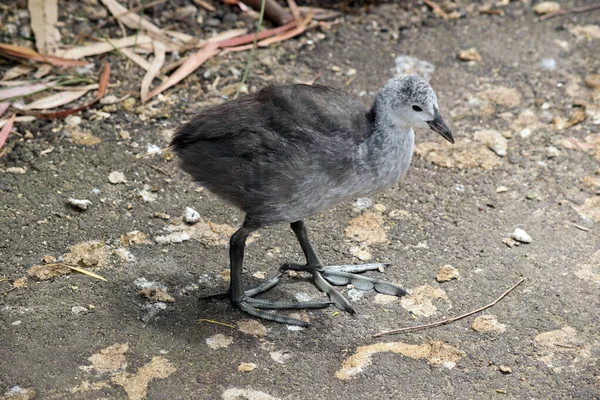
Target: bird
[{"x": 288, "y": 152}]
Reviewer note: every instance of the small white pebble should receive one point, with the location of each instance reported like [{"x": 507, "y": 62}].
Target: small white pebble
[
  {"x": 191, "y": 216},
  {"x": 501, "y": 189},
  {"x": 525, "y": 133},
  {"x": 80, "y": 204},
  {"x": 521, "y": 236},
  {"x": 116, "y": 177}
]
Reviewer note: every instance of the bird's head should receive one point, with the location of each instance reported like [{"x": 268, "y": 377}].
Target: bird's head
[{"x": 412, "y": 102}]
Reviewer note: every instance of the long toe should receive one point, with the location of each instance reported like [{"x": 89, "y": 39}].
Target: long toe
[
  {"x": 284, "y": 304},
  {"x": 358, "y": 268},
  {"x": 336, "y": 277},
  {"x": 340, "y": 301},
  {"x": 250, "y": 309}
]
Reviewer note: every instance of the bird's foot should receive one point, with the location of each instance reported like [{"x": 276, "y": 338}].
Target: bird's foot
[
  {"x": 253, "y": 306},
  {"x": 340, "y": 275}
]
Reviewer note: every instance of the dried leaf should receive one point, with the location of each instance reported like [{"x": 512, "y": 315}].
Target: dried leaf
[
  {"x": 106, "y": 46},
  {"x": 4, "y": 107},
  {"x": 154, "y": 70},
  {"x": 294, "y": 9},
  {"x": 24, "y": 90},
  {"x": 25, "y": 118},
  {"x": 5, "y": 131},
  {"x": 44, "y": 16},
  {"x": 16, "y": 71},
  {"x": 29, "y": 54},
  {"x": 55, "y": 100},
  {"x": 249, "y": 38},
  {"x": 42, "y": 71},
  {"x": 102, "y": 88},
  {"x": 190, "y": 65},
  {"x": 289, "y": 34},
  {"x": 139, "y": 60}
]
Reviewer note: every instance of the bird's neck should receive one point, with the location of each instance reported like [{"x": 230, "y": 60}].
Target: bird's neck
[{"x": 387, "y": 151}]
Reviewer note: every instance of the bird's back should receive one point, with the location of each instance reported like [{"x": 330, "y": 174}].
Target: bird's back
[{"x": 272, "y": 151}]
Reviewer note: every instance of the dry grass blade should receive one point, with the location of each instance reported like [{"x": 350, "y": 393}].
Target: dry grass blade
[
  {"x": 193, "y": 62},
  {"x": 44, "y": 16},
  {"x": 139, "y": 60},
  {"x": 129, "y": 19},
  {"x": 24, "y": 90},
  {"x": 572, "y": 11},
  {"x": 5, "y": 131},
  {"x": 225, "y": 35},
  {"x": 205, "y": 5},
  {"x": 242, "y": 40},
  {"x": 320, "y": 14},
  {"x": 154, "y": 70},
  {"x": 105, "y": 46},
  {"x": 86, "y": 272},
  {"x": 29, "y": 54},
  {"x": 56, "y": 100},
  {"x": 289, "y": 34},
  {"x": 450, "y": 320},
  {"x": 16, "y": 71},
  {"x": 212, "y": 321}
]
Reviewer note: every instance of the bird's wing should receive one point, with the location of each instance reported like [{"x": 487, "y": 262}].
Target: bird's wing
[{"x": 288, "y": 113}]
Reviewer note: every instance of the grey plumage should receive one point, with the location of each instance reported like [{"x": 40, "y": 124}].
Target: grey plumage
[{"x": 289, "y": 152}]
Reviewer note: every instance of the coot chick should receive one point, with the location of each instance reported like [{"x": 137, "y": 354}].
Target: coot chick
[{"x": 288, "y": 152}]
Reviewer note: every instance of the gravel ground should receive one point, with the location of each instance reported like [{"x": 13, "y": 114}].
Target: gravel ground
[{"x": 526, "y": 116}]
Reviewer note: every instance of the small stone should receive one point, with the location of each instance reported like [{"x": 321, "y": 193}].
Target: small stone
[
  {"x": 79, "y": 310},
  {"x": 552, "y": 152},
  {"x": 73, "y": 120},
  {"x": 147, "y": 196},
  {"x": 593, "y": 81},
  {"x": 548, "y": 64},
  {"x": 546, "y": 7},
  {"x": 335, "y": 68},
  {"x": 79, "y": 204},
  {"x": 116, "y": 177},
  {"x": 191, "y": 216},
  {"x": 525, "y": 133},
  {"x": 521, "y": 236},
  {"x": 110, "y": 99},
  {"x": 128, "y": 104},
  {"x": 161, "y": 215},
  {"x": 447, "y": 273},
  {"x": 505, "y": 370},
  {"x": 16, "y": 170},
  {"x": 246, "y": 367},
  {"x": 501, "y": 189},
  {"x": 494, "y": 140},
  {"x": 469, "y": 55},
  {"x": 28, "y": 135},
  {"x": 351, "y": 72},
  {"x": 213, "y": 22},
  {"x": 175, "y": 237}
]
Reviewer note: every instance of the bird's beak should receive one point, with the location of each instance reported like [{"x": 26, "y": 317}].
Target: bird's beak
[{"x": 439, "y": 126}]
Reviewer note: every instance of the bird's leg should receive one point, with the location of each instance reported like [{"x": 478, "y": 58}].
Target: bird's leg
[
  {"x": 245, "y": 301},
  {"x": 325, "y": 277}
]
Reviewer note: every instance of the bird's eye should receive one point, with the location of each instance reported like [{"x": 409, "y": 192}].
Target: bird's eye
[{"x": 417, "y": 108}]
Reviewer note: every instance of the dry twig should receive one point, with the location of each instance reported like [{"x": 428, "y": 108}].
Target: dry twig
[
  {"x": 453, "y": 319},
  {"x": 572, "y": 11},
  {"x": 436, "y": 9}
]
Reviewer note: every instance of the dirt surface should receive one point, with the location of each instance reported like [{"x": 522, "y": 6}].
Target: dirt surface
[{"x": 77, "y": 337}]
